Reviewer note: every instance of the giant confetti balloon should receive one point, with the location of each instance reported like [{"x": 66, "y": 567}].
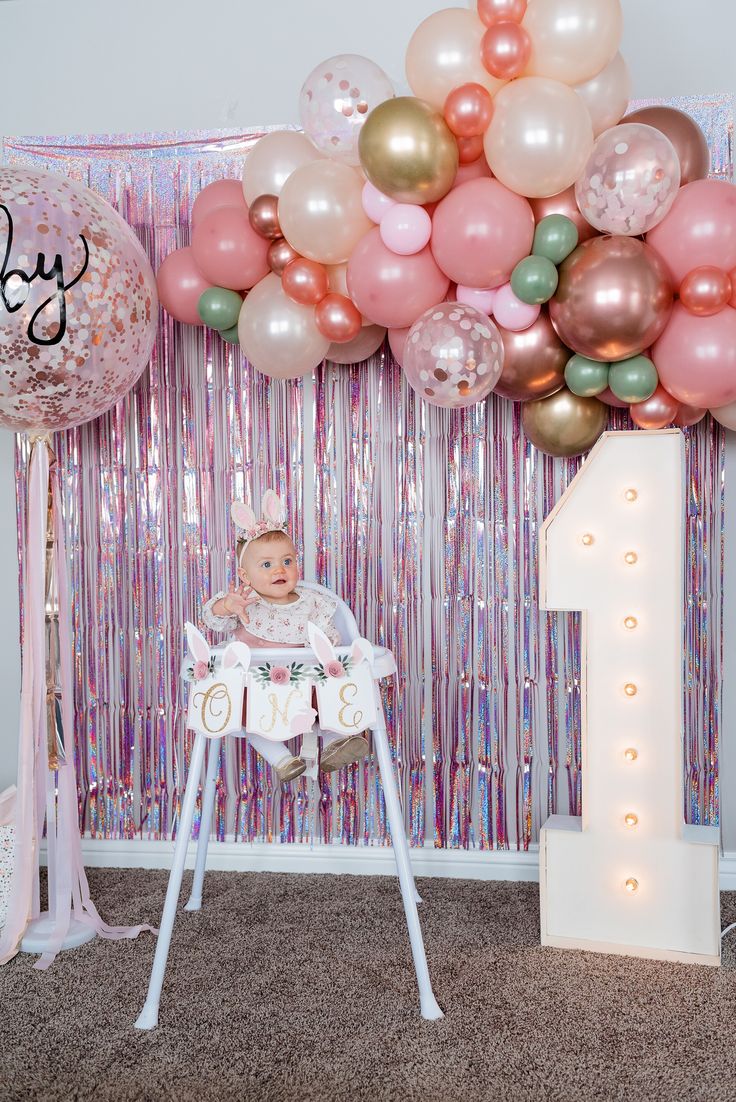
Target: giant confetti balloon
[
  {"x": 453, "y": 355},
  {"x": 336, "y": 99},
  {"x": 78, "y": 304}
]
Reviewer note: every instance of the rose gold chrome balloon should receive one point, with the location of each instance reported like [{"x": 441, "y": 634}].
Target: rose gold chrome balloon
[
  {"x": 280, "y": 253},
  {"x": 534, "y": 361},
  {"x": 656, "y": 412},
  {"x": 264, "y": 216},
  {"x": 564, "y": 203},
  {"x": 705, "y": 290},
  {"x": 686, "y": 136}
]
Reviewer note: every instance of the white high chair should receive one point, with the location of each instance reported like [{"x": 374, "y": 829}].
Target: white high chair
[{"x": 384, "y": 666}]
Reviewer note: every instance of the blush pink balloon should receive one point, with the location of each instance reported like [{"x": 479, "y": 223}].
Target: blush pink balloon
[
  {"x": 228, "y": 251},
  {"x": 482, "y": 298},
  {"x": 368, "y": 341},
  {"x": 181, "y": 285},
  {"x": 505, "y": 50},
  {"x": 474, "y": 171},
  {"x": 221, "y": 193},
  {"x": 469, "y": 149},
  {"x": 705, "y": 290},
  {"x": 375, "y": 203},
  {"x": 696, "y": 357},
  {"x": 511, "y": 313},
  {"x": 390, "y": 289},
  {"x": 611, "y": 400},
  {"x": 480, "y": 233},
  {"x": 656, "y": 412},
  {"x": 397, "y": 343},
  {"x": 699, "y": 230},
  {"x": 406, "y": 229}
]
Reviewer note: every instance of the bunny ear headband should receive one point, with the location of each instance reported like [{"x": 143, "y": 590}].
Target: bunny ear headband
[{"x": 248, "y": 527}]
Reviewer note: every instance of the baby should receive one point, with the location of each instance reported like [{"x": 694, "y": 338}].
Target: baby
[{"x": 271, "y": 609}]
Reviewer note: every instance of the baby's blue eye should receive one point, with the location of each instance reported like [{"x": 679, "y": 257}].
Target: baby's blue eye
[
  {"x": 266, "y": 565},
  {"x": 287, "y": 562}
]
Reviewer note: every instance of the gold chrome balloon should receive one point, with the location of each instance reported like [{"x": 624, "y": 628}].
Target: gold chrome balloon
[
  {"x": 564, "y": 424},
  {"x": 408, "y": 151}
]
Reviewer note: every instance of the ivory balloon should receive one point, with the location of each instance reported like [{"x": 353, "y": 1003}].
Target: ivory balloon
[
  {"x": 279, "y": 337},
  {"x": 613, "y": 300},
  {"x": 534, "y": 362},
  {"x": 572, "y": 40},
  {"x": 607, "y": 94},
  {"x": 408, "y": 151},
  {"x": 686, "y": 136},
  {"x": 443, "y": 53},
  {"x": 368, "y": 341},
  {"x": 725, "y": 415},
  {"x": 272, "y": 160},
  {"x": 564, "y": 425},
  {"x": 540, "y": 136},
  {"x": 321, "y": 211}
]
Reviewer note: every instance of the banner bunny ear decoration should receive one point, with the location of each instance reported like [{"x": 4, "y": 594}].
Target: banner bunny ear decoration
[{"x": 273, "y": 518}]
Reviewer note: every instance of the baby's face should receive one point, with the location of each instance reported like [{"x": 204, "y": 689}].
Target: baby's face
[{"x": 269, "y": 565}]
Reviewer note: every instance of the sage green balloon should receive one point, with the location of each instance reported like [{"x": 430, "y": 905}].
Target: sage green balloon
[
  {"x": 230, "y": 335},
  {"x": 219, "y": 308},
  {"x": 555, "y": 238},
  {"x": 585, "y": 377},
  {"x": 534, "y": 280},
  {"x": 633, "y": 380}
]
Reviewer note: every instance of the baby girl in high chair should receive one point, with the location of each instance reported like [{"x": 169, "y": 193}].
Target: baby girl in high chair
[{"x": 271, "y": 609}]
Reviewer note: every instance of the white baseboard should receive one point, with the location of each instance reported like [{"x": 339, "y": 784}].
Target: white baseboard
[{"x": 358, "y": 861}]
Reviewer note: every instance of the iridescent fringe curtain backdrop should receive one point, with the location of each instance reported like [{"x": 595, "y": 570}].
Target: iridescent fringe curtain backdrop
[{"x": 425, "y": 521}]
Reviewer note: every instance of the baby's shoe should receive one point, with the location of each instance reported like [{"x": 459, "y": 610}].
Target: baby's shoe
[
  {"x": 289, "y": 768},
  {"x": 343, "y": 751}
]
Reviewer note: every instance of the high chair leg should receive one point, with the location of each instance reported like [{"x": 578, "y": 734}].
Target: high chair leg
[
  {"x": 428, "y": 1003},
  {"x": 205, "y": 826},
  {"x": 148, "y": 1018}
]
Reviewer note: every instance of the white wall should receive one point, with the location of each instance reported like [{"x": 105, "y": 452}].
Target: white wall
[{"x": 85, "y": 66}]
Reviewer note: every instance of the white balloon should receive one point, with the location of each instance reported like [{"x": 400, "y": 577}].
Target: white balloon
[{"x": 606, "y": 95}]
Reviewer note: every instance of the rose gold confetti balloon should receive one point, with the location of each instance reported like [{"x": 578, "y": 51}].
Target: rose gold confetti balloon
[
  {"x": 453, "y": 356},
  {"x": 78, "y": 304},
  {"x": 335, "y": 101}
]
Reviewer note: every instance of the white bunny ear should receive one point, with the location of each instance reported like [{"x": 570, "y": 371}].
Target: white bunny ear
[
  {"x": 362, "y": 651},
  {"x": 236, "y": 653},
  {"x": 243, "y": 515},
  {"x": 272, "y": 508},
  {"x": 198, "y": 645},
  {"x": 320, "y": 644}
]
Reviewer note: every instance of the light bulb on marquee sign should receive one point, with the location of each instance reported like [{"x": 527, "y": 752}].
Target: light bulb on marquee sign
[{"x": 630, "y": 876}]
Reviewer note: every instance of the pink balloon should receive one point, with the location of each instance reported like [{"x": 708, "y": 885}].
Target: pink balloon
[
  {"x": 473, "y": 171},
  {"x": 390, "y": 289},
  {"x": 368, "y": 341},
  {"x": 406, "y": 229},
  {"x": 610, "y": 399},
  {"x": 656, "y": 412},
  {"x": 453, "y": 356},
  {"x": 481, "y": 231},
  {"x": 511, "y": 313},
  {"x": 699, "y": 230},
  {"x": 221, "y": 193},
  {"x": 482, "y": 298},
  {"x": 688, "y": 416},
  {"x": 397, "y": 343},
  {"x": 696, "y": 357},
  {"x": 78, "y": 305},
  {"x": 181, "y": 285},
  {"x": 228, "y": 251},
  {"x": 375, "y": 203}
]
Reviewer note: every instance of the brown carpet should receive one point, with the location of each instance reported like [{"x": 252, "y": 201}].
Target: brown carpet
[{"x": 301, "y": 988}]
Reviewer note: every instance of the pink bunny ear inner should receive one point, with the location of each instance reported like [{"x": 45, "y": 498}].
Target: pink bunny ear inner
[
  {"x": 198, "y": 645},
  {"x": 236, "y": 653},
  {"x": 272, "y": 507},
  {"x": 321, "y": 645},
  {"x": 362, "y": 651},
  {"x": 243, "y": 515}
]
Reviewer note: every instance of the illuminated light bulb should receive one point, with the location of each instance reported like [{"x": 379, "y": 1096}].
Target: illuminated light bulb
[
  {"x": 630, "y": 622},
  {"x": 631, "y": 495},
  {"x": 631, "y": 557},
  {"x": 631, "y": 754},
  {"x": 630, "y": 689},
  {"x": 631, "y": 819},
  {"x": 631, "y": 885},
  {"x": 588, "y": 539}
]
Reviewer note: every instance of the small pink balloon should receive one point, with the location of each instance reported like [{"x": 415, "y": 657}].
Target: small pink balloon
[
  {"x": 406, "y": 229},
  {"x": 469, "y": 149},
  {"x": 505, "y": 50},
  {"x": 511, "y": 313},
  {"x": 389, "y": 289},
  {"x": 228, "y": 251},
  {"x": 699, "y": 229},
  {"x": 696, "y": 357},
  {"x": 221, "y": 193},
  {"x": 611, "y": 400},
  {"x": 482, "y": 298},
  {"x": 473, "y": 171},
  {"x": 397, "y": 343},
  {"x": 656, "y": 412},
  {"x": 338, "y": 319},
  {"x": 181, "y": 285},
  {"x": 375, "y": 203},
  {"x": 688, "y": 416},
  {"x": 705, "y": 290},
  {"x": 500, "y": 11}
]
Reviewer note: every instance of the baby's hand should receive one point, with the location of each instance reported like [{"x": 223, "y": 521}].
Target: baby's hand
[{"x": 237, "y": 600}]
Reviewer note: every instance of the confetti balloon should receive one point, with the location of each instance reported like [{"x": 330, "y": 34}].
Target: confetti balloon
[
  {"x": 630, "y": 181},
  {"x": 453, "y": 355},
  {"x": 78, "y": 303},
  {"x": 336, "y": 99}
]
